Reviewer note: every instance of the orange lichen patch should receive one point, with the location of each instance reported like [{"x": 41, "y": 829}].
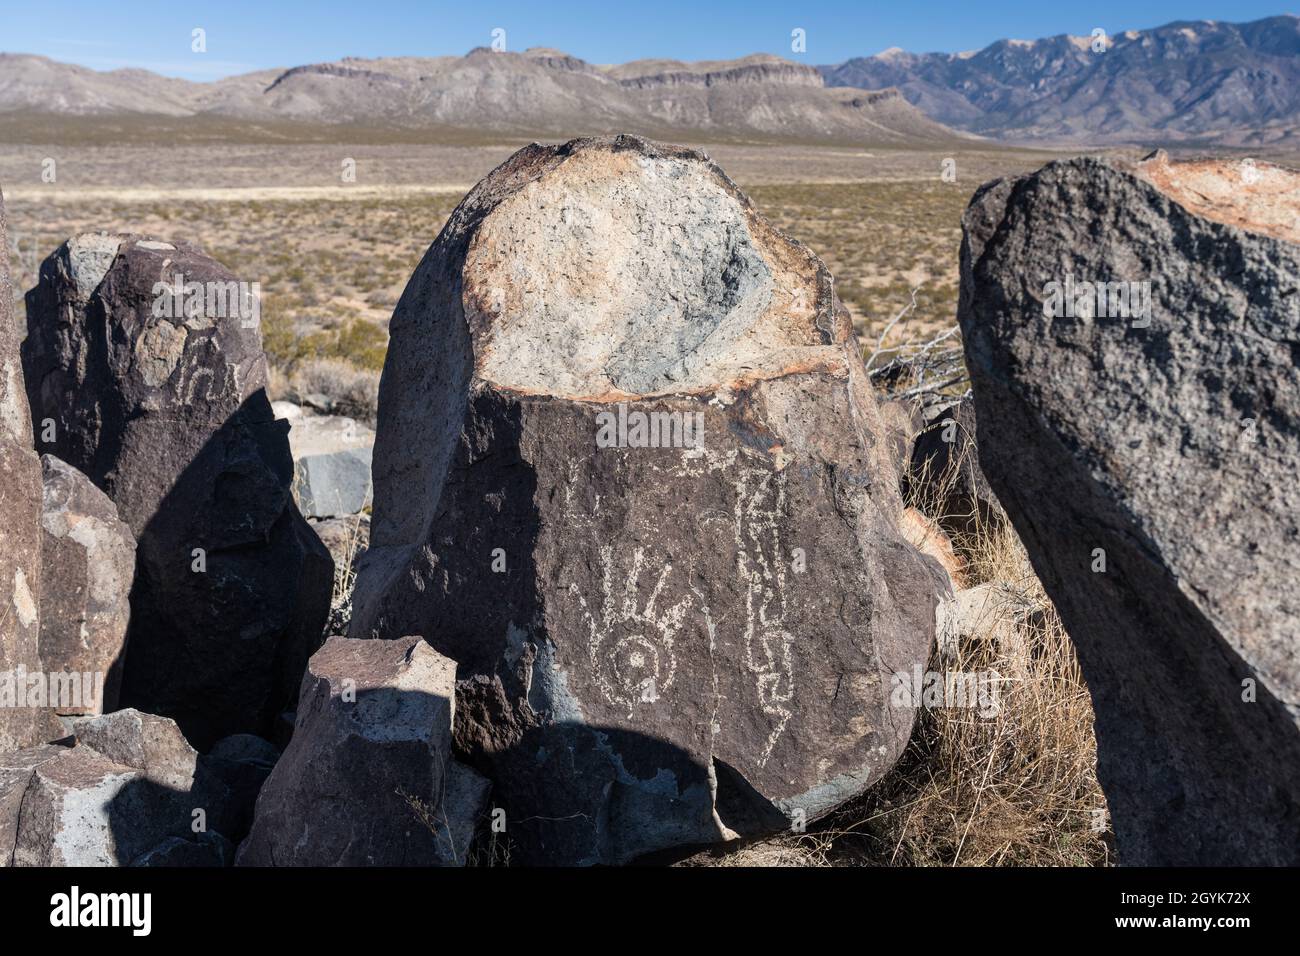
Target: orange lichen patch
[
  {"x": 928, "y": 538},
  {"x": 1251, "y": 195}
]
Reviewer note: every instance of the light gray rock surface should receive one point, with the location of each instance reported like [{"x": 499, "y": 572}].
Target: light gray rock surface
[
  {"x": 333, "y": 485},
  {"x": 331, "y": 456},
  {"x": 658, "y": 646},
  {"x": 1168, "y": 446}
]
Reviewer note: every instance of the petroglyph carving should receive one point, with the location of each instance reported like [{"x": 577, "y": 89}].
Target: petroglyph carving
[
  {"x": 760, "y": 503},
  {"x": 631, "y": 644}
]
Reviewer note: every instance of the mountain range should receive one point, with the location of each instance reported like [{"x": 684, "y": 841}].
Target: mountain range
[
  {"x": 1233, "y": 84},
  {"x": 1193, "y": 82},
  {"x": 539, "y": 92}
]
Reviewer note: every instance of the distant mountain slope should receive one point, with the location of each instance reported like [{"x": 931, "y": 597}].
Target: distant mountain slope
[
  {"x": 539, "y": 92},
  {"x": 1207, "y": 81}
]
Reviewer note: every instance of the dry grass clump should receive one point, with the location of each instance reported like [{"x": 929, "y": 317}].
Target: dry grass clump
[
  {"x": 335, "y": 383},
  {"x": 1019, "y": 788}
]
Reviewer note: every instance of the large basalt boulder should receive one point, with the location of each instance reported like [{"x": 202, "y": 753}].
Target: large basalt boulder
[
  {"x": 20, "y": 516},
  {"x": 630, "y": 475},
  {"x": 88, "y": 564},
  {"x": 160, "y": 399},
  {"x": 368, "y": 779},
  {"x": 1145, "y": 446}
]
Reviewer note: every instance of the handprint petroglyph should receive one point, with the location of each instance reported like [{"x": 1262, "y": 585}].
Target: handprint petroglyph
[{"x": 631, "y": 646}]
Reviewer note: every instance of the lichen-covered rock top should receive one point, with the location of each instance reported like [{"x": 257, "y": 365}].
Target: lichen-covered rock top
[{"x": 617, "y": 267}]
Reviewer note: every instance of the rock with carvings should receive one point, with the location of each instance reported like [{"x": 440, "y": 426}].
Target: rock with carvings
[
  {"x": 144, "y": 369},
  {"x": 88, "y": 564},
  {"x": 20, "y": 515},
  {"x": 1131, "y": 332},
  {"x": 368, "y": 779},
  {"x": 631, "y": 476}
]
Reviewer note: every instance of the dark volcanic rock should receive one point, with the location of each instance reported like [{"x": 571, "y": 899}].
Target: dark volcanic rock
[
  {"x": 87, "y": 565},
  {"x": 662, "y": 640},
  {"x": 945, "y": 476},
  {"x": 211, "y": 797},
  {"x": 163, "y": 406},
  {"x": 373, "y": 735},
  {"x": 146, "y": 742},
  {"x": 20, "y": 516},
  {"x": 1167, "y": 445}
]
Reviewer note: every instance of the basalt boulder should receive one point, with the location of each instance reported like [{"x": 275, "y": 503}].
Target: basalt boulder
[
  {"x": 144, "y": 368},
  {"x": 147, "y": 742},
  {"x": 631, "y": 476},
  {"x": 1131, "y": 332},
  {"x": 20, "y": 511},
  {"x": 368, "y": 779},
  {"x": 88, "y": 564}
]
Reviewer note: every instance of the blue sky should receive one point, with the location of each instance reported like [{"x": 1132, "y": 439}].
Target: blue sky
[{"x": 242, "y": 36}]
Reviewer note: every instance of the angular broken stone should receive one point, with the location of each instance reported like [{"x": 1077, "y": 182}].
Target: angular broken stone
[
  {"x": 146, "y": 742},
  {"x": 331, "y": 459},
  {"x": 71, "y": 806},
  {"x": 20, "y": 513},
  {"x": 147, "y": 359},
  {"x": 88, "y": 564},
  {"x": 989, "y": 613},
  {"x": 631, "y": 476},
  {"x": 131, "y": 792},
  {"x": 368, "y": 778},
  {"x": 1131, "y": 334}
]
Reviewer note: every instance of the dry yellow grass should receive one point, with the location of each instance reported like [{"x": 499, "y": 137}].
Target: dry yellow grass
[{"x": 1020, "y": 787}]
